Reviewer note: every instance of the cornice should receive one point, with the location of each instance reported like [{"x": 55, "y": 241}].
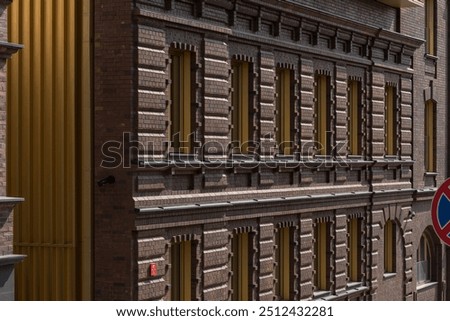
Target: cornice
[
  {"x": 293, "y": 8},
  {"x": 7, "y": 49}
]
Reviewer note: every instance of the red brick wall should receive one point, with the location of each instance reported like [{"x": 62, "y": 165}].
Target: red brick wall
[
  {"x": 124, "y": 89},
  {"x": 6, "y": 218}
]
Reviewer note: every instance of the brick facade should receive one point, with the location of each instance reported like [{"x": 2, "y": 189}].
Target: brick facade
[
  {"x": 113, "y": 244},
  {"x": 6, "y": 204},
  {"x": 7, "y": 257},
  {"x": 207, "y": 196}
]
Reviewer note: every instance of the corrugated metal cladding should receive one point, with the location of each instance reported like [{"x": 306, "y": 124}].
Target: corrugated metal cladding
[{"x": 49, "y": 147}]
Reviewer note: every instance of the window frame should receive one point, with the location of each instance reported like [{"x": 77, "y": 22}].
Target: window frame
[
  {"x": 182, "y": 116},
  {"x": 430, "y": 27},
  {"x": 355, "y": 131},
  {"x": 390, "y": 246},
  {"x": 181, "y": 263},
  {"x": 391, "y": 121},
  {"x": 321, "y": 257},
  {"x": 241, "y": 115},
  {"x": 323, "y": 115},
  {"x": 284, "y": 256},
  {"x": 430, "y": 137},
  {"x": 354, "y": 271},
  {"x": 285, "y": 111},
  {"x": 240, "y": 260}
]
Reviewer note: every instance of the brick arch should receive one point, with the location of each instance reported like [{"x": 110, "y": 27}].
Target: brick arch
[
  {"x": 436, "y": 251},
  {"x": 396, "y": 214}
]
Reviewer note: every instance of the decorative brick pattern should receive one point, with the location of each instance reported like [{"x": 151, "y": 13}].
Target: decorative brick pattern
[
  {"x": 267, "y": 103},
  {"x": 216, "y": 254},
  {"x": 266, "y": 261},
  {"x": 306, "y": 258},
  {"x": 217, "y": 103},
  {"x": 406, "y": 121},
  {"x": 376, "y": 120},
  {"x": 307, "y": 102},
  {"x": 341, "y": 108},
  {"x": 153, "y": 75},
  {"x": 210, "y": 202},
  {"x": 341, "y": 252}
]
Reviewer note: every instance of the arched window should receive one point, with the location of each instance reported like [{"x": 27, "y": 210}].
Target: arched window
[{"x": 423, "y": 265}]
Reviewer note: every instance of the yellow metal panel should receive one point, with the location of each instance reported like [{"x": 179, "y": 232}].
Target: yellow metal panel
[{"x": 48, "y": 157}]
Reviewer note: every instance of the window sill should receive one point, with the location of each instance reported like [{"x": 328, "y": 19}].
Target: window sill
[
  {"x": 353, "y": 285},
  {"x": 431, "y": 57},
  {"x": 355, "y": 157},
  {"x": 426, "y": 286},
  {"x": 432, "y": 174},
  {"x": 391, "y": 157},
  {"x": 317, "y": 295},
  {"x": 387, "y": 276}
]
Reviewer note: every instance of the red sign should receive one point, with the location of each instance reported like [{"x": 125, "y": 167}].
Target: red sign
[
  {"x": 440, "y": 212},
  {"x": 153, "y": 270}
]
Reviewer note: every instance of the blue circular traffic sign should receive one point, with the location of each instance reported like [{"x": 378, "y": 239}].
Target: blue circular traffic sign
[{"x": 440, "y": 212}]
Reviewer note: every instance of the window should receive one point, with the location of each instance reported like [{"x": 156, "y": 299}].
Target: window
[
  {"x": 241, "y": 115},
  {"x": 430, "y": 136},
  {"x": 389, "y": 247},
  {"x": 285, "y": 111},
  {"x": 181, "y": 271},
  {"x": 240, "y": 266},
  {"x": 354, "y": 117},
  {"x": 391, "y": 120},
  {"x": 423, "y": 265},
  {"x": 354, "y": 250},
  {"x": 285, "y": 261},
  {"x": 321, "y": 256},
  {"x": 322, "y": 121},
  {"x": 181, "y": 115},
  {"x": 430, "y": 27}
]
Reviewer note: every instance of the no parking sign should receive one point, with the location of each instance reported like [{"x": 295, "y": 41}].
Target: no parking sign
[{"x": 440, "y": 212}]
